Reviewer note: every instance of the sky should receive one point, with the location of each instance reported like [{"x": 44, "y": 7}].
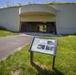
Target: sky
[{"x": 4, "y": 3}]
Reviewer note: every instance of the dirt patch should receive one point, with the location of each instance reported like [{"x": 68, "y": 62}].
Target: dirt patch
[{"x": 15, "y": 72}]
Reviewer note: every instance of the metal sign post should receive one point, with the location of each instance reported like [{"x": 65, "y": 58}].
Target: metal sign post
[
  {"x": 43, "y": 45},
  {"x": 53, "y": 62},
  {"x": 31, "y": 57}
]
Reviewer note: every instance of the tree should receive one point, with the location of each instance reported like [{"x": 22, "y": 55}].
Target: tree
[
  {"x": 20, "y": 4},
  {"x": 29, "y": 3},
  {"x": 8, "y": 3}
]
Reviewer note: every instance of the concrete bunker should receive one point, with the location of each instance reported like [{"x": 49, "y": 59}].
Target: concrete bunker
[{"x": 37, "y": 18}]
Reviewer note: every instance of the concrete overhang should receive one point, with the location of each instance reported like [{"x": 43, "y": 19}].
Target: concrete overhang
[{"x": 37, "y": 9}]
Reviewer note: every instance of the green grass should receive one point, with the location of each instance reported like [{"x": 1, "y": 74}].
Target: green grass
[
  {"x": 65, "y": 60},
  {"x": 6, "y": 33},
  {"x": 57, "y": 3}
]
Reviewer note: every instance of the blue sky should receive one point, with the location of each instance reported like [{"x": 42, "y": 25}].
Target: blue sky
[{"x": 4, "y": 3}]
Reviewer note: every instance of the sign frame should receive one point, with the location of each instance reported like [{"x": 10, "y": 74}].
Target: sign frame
[{"x": 32, "y": 51}]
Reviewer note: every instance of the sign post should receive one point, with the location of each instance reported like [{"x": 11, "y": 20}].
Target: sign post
[
  {"x": 43, "y": 45},
  {"x": 53, "y": 62}
]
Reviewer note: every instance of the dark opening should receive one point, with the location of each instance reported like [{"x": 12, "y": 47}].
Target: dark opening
[{"x": 48, "y": 27}]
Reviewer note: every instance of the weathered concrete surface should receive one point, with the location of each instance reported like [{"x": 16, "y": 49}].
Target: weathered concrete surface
[{"x": 11, "y": 44}]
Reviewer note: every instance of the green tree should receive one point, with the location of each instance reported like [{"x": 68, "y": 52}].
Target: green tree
[
  {"x": 8, "y": 3},
  {"x": 20, "y": 4},
  {"x": 29, "y": 3}
]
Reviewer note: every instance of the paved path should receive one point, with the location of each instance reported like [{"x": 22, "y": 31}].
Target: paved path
[{"x": 11, "y": 44}]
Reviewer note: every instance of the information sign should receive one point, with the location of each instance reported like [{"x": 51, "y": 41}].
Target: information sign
[{"x": 43, "y": 45}]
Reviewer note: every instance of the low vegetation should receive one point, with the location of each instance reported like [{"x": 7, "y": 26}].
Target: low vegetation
[
  {"x": 19, "y": 62},
  {"x": 45, "y": 3},
  {"x": 5, "y": 32},
  {"x": 57, "y": 3}
]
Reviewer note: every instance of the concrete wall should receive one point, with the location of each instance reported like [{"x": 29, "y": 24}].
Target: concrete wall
[
  {"x": 37, "y": 13},
  {"x": 9, "y": 18},
  {"x": 38, "y": 19},
  {"x": 66, "y": 18},
  {"x": 1, "y": 19},
  {"x": 37, "y": 8}
]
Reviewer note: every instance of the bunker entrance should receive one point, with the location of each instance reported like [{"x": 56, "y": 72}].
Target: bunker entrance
[{"x": 48, "y": 27}]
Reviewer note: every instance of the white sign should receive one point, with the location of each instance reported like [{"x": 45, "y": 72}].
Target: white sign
[{"x": 43, "y": 45}]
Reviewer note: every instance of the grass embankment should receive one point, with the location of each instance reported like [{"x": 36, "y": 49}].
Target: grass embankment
[
  {"x": 65, "y": 64},
  {"x": 5, "y": 32}
]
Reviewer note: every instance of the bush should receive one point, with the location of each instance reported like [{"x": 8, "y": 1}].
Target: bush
[{"x": 2, "y": 28}]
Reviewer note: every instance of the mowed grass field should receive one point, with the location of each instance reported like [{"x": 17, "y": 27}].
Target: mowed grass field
[
  {"x": 5, "y": 32},
  {"x": 65, "y": 64}
]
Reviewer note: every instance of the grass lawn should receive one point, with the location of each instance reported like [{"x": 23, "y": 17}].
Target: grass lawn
[
  {"x": 65, "y": 64},
  {"x": 5, "y": 32}
]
